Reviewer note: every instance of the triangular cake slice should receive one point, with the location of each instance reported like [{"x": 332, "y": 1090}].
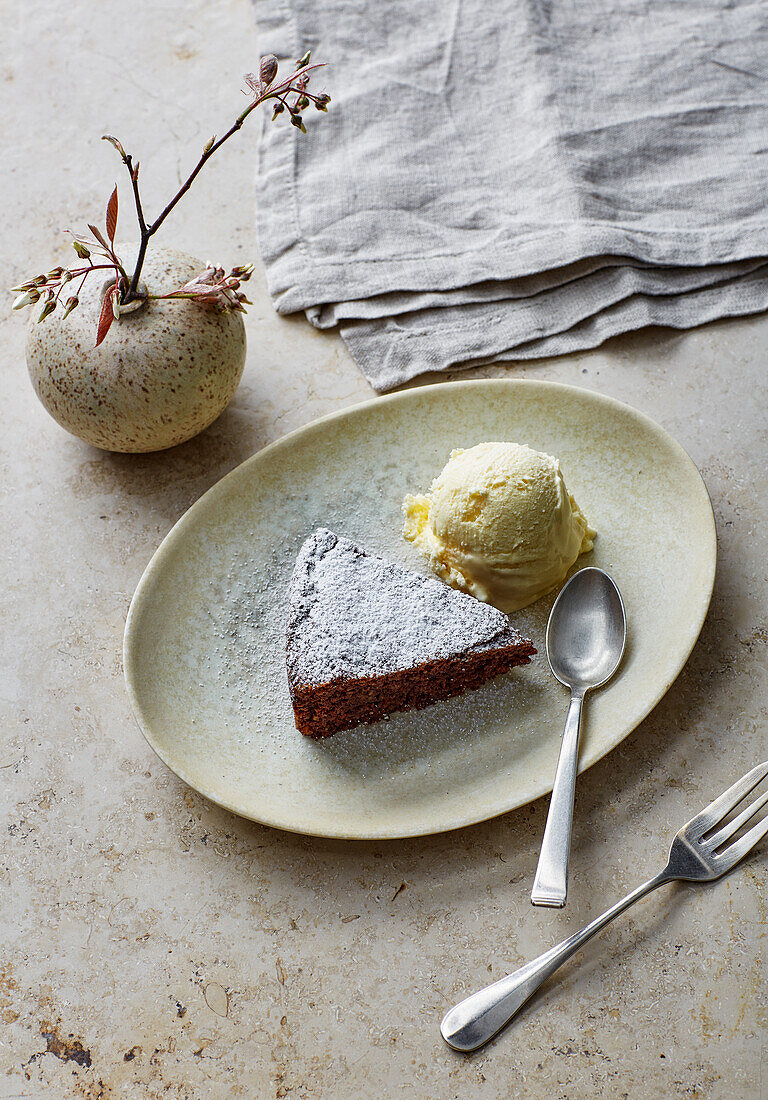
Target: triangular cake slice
[{"x": 367, "y": 637}]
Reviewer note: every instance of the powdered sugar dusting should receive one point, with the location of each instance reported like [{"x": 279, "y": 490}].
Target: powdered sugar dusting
[{"x": 355, "y": 614}]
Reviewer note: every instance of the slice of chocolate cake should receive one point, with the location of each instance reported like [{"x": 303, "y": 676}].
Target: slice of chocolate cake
[{"x": 367, "y": 637}]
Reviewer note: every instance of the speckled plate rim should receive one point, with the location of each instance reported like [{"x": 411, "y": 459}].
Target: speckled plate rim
[{"x": 131, "y": 639}]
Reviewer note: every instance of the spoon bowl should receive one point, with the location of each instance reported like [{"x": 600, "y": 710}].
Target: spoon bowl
[{"x": 587, "y": 631}]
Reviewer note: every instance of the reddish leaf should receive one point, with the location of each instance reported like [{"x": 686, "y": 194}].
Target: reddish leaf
[
  {"x": 106, "y": 318},
  {"x": 98, "y": 235},
  {"x": 112, "y": 216}
]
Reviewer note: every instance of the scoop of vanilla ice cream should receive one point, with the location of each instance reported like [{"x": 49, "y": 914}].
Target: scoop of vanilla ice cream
[{"x": 499, "y": 523}]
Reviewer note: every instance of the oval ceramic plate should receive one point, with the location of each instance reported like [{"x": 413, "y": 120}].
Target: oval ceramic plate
[{"x": 204, "y": 641}]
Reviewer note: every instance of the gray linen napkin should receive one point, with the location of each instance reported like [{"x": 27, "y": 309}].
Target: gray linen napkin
[{"x": 517, "y": 178}]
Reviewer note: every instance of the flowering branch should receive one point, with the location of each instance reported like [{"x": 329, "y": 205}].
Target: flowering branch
[
  {"x": 212, "y": 286},
  {"x": 263, "y": 89}
]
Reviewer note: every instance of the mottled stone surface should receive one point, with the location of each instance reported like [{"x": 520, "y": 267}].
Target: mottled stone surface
[{"x": 154, "y": 946}]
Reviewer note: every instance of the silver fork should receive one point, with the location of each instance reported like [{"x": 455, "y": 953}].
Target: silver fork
[{"x": 699, "y": 853}]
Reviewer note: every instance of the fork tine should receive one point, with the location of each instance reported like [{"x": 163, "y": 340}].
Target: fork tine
[
  {"x": 713, "y": 842},
  {"x": 713, "y": 814},
  {"x": 731, "y": 856}
]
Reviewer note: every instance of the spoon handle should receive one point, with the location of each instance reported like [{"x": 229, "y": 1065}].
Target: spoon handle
[{"x": 550, "y": 886}]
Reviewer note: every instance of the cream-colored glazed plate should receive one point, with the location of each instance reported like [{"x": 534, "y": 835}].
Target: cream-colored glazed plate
[{"x": 204, "y": 641}]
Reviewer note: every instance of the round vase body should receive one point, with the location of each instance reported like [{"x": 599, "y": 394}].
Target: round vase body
[{"x": 164, "y": 372}]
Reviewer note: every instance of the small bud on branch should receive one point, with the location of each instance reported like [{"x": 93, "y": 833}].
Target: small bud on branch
[
  {"x": 47, "y": 310},
  {"x": 115, "y": 142},
  {"x": 27, "y": 299},
  {"x": 268, "y": 69}
]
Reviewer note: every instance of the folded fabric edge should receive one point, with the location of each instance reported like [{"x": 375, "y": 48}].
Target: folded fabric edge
[
  {"x": 403, "y": 310},
  {"x": 389, "y": 362},
  {"x": 298, "y": 280}
]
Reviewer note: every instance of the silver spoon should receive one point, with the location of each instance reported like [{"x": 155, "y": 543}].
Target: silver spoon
[{"x": 586, "y": 634}]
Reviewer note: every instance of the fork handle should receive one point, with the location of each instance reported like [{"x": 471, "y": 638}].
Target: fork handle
[{"x": 475, "y": 1020}]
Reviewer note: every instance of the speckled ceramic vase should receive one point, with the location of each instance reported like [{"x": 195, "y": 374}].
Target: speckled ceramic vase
[{"x": 164, "y": 372}]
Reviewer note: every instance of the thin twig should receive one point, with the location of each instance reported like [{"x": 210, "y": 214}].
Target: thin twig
[{"x": 135, "y": 187}]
